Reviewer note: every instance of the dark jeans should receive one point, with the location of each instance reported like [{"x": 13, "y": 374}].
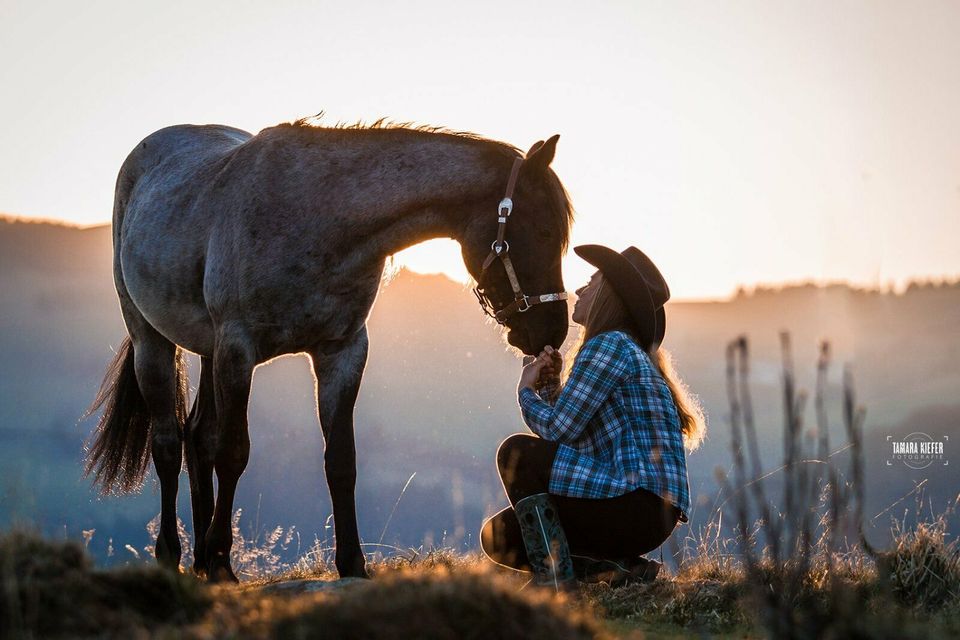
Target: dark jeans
[{"x": 622, "y": 527}]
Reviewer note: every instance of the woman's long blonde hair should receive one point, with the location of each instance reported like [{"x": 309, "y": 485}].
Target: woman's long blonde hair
[{"x": 608, "y": 313}]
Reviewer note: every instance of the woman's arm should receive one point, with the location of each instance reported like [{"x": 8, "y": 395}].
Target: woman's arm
[{"x": 600, "y": 366}]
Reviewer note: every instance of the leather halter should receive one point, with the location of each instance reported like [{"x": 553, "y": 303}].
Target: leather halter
[{"x": 501, "y": 249}]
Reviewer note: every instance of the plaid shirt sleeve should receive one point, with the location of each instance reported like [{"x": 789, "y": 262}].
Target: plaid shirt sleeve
[
  {"x": 548, "y": 393},
  {"x": 600, "y": 366}
]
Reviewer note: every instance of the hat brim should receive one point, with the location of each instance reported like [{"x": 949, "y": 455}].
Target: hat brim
[{"x": 632, "y": 288}]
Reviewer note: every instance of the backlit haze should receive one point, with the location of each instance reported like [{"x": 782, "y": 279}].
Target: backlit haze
[{"x": 734, "y": 142}]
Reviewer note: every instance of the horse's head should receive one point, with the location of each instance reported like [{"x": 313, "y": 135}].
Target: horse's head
[{"x": 536, "y": 233}]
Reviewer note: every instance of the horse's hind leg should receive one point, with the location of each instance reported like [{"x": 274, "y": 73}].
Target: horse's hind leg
[
  {"x": 338, "y": 369},
  {"x": 199, "y": 443},
  {"x": 158, "y": 368},
  {"x": 233, "y": 363}
]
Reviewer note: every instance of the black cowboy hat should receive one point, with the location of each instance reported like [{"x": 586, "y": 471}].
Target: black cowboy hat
[{"x": 639, "y": 284}]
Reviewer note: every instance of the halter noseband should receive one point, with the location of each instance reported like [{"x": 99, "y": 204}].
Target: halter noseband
[{"x": 501, "y": 249}]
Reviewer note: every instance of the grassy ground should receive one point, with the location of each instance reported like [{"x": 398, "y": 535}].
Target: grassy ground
[
  {"x": 801, "y": 585},
  {"x": 51, "y": 589}
]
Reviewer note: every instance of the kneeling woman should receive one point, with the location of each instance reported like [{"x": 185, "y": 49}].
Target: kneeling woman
[{"x": 604, "y": 480}]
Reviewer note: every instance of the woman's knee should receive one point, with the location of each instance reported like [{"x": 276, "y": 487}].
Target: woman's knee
[
  {"x": 511, "y": 450},
  {"x": 486, "y": 536},
  {"x": 501, "y": 540},
  {"x": 492, "y": 537}
]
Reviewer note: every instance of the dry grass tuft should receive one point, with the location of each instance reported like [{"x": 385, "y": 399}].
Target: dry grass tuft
[
  {"x": 439, "y": 603},
  {"x": 702, "y": 605},
  {"x": 707, "y": 556},
  {"x": 318, "y": 565},
  {"x": 424, "y": 560},
  {"x": 923, "y": 569},
  {"x": 51, "y": 589}
]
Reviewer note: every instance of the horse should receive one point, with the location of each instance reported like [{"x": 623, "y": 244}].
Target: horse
[{"x": 241, "y": 248}]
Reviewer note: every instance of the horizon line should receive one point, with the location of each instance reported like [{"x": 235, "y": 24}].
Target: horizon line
[{"x": 740, "y": 289}]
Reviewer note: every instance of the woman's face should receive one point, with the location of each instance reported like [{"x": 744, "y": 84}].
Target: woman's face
[{"x": 585, "y": 296}]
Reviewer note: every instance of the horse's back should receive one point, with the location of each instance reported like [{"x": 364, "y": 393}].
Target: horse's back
[
  {"x": 181, "y": 148},
  {"x": 160, "y": 235}
]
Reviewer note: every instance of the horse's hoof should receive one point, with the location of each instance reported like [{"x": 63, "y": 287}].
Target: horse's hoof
[
  {"x": 218, "y": 570},
  {"x": 221, "y": 574},
  {"x": 361, "y": 574},
  {"x": 199, "y": 563},
  {"x": 167, "y": 557},
  {"x": 353, "y": 569}
]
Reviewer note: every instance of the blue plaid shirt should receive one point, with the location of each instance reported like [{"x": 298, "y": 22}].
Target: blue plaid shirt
[{"x": 616, "y": 424}]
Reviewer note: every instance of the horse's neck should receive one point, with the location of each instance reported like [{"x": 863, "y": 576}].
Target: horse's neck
[{"x": 422, "y": 188}]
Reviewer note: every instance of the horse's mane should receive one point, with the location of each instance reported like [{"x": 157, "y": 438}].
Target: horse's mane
[
  {"x": 385, "y": 124},
  {"x": 558, "y": 195},
  {"x": 562, "y": 206}
]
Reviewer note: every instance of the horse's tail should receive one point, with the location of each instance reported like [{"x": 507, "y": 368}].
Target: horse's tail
[{"x": 120, "y": 449}]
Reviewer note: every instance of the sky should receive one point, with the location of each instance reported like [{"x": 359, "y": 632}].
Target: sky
[{"x": 734, "y": 142}]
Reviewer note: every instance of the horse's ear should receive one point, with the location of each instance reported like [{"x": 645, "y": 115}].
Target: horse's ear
[{"x": 541, "y": 155}]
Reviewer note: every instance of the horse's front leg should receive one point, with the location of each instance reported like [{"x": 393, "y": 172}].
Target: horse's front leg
[
  {"x": 338, "y": 368},
  {"x": 233, "y": 364}
]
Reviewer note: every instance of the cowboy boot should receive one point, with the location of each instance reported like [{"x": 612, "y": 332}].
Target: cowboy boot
[{"x": 545, "y": 542}]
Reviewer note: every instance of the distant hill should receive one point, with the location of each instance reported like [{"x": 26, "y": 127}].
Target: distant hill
[{"x": 438, "y": 395}]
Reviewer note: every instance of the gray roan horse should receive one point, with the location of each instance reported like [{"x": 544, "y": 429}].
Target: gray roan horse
[{"x": 242, "y": 248}]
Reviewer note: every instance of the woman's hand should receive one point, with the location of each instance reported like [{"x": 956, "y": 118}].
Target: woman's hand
[
  {"x": 544, "y": 367},
  {"x": 550, "y": 374}
]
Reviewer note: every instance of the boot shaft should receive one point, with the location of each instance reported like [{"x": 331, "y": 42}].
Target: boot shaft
[{"x": 545, "y": 541}]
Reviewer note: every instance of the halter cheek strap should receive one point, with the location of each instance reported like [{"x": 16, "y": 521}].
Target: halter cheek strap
[{"x": 501, "y": 249}]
